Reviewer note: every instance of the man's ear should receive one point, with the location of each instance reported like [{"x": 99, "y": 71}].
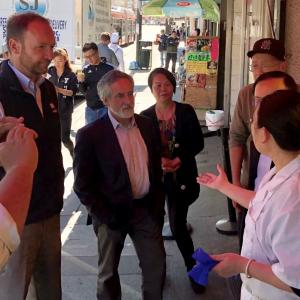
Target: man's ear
[
  {"x": 105, "y": 101},
  {"x": 14, "y": 46},
  {"x": 283, "y": 66}
]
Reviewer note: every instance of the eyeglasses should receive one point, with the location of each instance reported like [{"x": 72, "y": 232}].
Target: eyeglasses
[
  {"x": 263, "y": 68},
  {"x": 90, "y": 56}
]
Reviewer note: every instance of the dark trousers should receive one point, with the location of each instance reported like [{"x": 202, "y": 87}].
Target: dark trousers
[
  {"x": 65, "y": 124},
  {"x": 147, "y": 240},
  {"x": 177, "y": 212},
  {"x": 38, "y": 258},
  {"x": 173, "y": 57}
]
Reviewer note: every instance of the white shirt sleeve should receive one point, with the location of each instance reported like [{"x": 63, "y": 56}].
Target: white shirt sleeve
[
  {"x": 9, "y": 236},
  {"x": 285, "y": 240}
]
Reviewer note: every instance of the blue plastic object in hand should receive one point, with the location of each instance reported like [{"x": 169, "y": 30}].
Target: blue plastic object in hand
[{"x": 204, "y": 264}]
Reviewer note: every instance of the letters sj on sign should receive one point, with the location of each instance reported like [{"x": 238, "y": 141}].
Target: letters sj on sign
[
  {"x": 62, "y": 21},
  {"x": 38, "y": 6}
]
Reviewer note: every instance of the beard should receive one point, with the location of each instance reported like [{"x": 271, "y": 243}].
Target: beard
[
  {"x": 125, "y": 112},
  {"x": 37, "y": 68},
  {"x": 40, "y": 68}
]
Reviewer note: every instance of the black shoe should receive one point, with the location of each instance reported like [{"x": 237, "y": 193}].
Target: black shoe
[
  {"x": 167, "y": 233},
  {"x": 197, "y": 288}
]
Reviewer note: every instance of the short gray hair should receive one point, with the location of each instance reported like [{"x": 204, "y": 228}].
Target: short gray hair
[{"x": 104, "y": 85}]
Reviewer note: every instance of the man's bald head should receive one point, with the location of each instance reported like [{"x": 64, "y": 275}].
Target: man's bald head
[{"x": 270, "y": 82}]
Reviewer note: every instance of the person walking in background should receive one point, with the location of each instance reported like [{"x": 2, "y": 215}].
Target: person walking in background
[
  {"x": 269, "y": 262},
  {"x": 172, "y": 45},
  {"x": 106, "y": 52},
  {"x": 26, "y": 95},
  {"x": 88, "y": 79},
  {"x": 181, "y": 141},
  {"x": 114, "y": 46},
  {"x": 118, "y": 178},
  {"x": 4, "y": 54},
  {"x": 4, "y": 50},
  {"x": 162, "y": 47},
  {"x": 16, "y": 186},
  {"x": 65, "y": 83}
]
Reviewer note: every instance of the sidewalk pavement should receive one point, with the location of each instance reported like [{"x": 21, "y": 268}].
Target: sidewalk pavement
[{"x": 79, "y": 247}]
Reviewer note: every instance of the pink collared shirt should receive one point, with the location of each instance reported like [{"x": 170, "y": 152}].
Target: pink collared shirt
[{"x": 135, "y": 154}]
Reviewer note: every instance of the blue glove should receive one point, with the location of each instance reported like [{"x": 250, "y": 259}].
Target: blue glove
[{"x": 204, "y": 264}]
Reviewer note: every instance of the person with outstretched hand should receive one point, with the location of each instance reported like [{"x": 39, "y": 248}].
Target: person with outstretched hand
[{"x": 269, "y": 261}]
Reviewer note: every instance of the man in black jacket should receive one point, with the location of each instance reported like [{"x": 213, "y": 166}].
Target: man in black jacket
[
  {"x": 25, "y": 95},
  {"x": 172, "y": 45},
  {"x": 118, "y": 175},
  {"x": 88, "y": 79},
  {"x": 162, "y": 47}
]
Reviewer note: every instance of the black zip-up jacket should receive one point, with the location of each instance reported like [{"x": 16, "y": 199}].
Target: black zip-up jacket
[
  {"x": 68, "y": 81},
  {"x": 188, "y": 143},
  {"x": 48, "y": 183},
  {"x": 93, "y": 73}
]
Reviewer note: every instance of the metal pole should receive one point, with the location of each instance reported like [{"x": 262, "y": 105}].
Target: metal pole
[
  {"x": 227, "y": 226},
  {"x": 138, "y": 29}
]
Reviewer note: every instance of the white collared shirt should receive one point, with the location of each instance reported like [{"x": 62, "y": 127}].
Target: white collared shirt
[
  {"x": 9, "y": 236},
  {"x": 135, "y": 154},
  {"x": 272, "y": 234},
  {"x": 263, "y": 167},
  {"x": 29, "y": 86}
]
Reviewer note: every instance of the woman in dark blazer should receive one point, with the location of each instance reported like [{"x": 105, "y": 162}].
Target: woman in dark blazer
[
  {"x": 66, "y": 86},
  {"x": 181, "y": 141}
]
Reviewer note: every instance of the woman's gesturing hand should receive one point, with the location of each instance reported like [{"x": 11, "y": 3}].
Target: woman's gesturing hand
[{"x": 213, "y": 181}]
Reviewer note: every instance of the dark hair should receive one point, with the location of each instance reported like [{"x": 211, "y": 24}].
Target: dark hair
[
  {"x": 288, "y": 80},
  {"x": 104, "y": 85},
  {"x": 89, "y": 46},
  {"x": 17, "y": 24},
  {"x": 164, "y": 72},
  {"x": 62, "y": 52},
  {"x": 279, "y": 113}
]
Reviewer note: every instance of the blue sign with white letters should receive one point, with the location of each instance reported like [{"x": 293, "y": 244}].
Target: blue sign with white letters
[{"x": 37, "y": 6}]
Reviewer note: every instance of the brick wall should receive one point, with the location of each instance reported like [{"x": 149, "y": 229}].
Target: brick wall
[{"x": 292, "y": 38}]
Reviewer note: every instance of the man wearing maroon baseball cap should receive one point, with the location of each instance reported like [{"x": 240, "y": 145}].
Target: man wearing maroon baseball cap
[
  {"x": 267, "y": 55},
  {"x": 268, "y": 46}
]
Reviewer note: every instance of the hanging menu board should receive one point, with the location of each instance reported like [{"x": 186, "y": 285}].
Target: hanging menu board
[{"x": 201, "y": 72}]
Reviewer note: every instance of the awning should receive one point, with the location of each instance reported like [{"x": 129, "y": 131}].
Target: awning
[
  {"x": 119, "y": 12},
  {"x": 207, "y": 9}
]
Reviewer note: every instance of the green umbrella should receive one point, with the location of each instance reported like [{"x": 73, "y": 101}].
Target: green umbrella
[{"x": 207, "y": 9}]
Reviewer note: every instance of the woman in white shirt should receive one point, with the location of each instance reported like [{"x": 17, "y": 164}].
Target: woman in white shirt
[{"x": 270, "y": 261}]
